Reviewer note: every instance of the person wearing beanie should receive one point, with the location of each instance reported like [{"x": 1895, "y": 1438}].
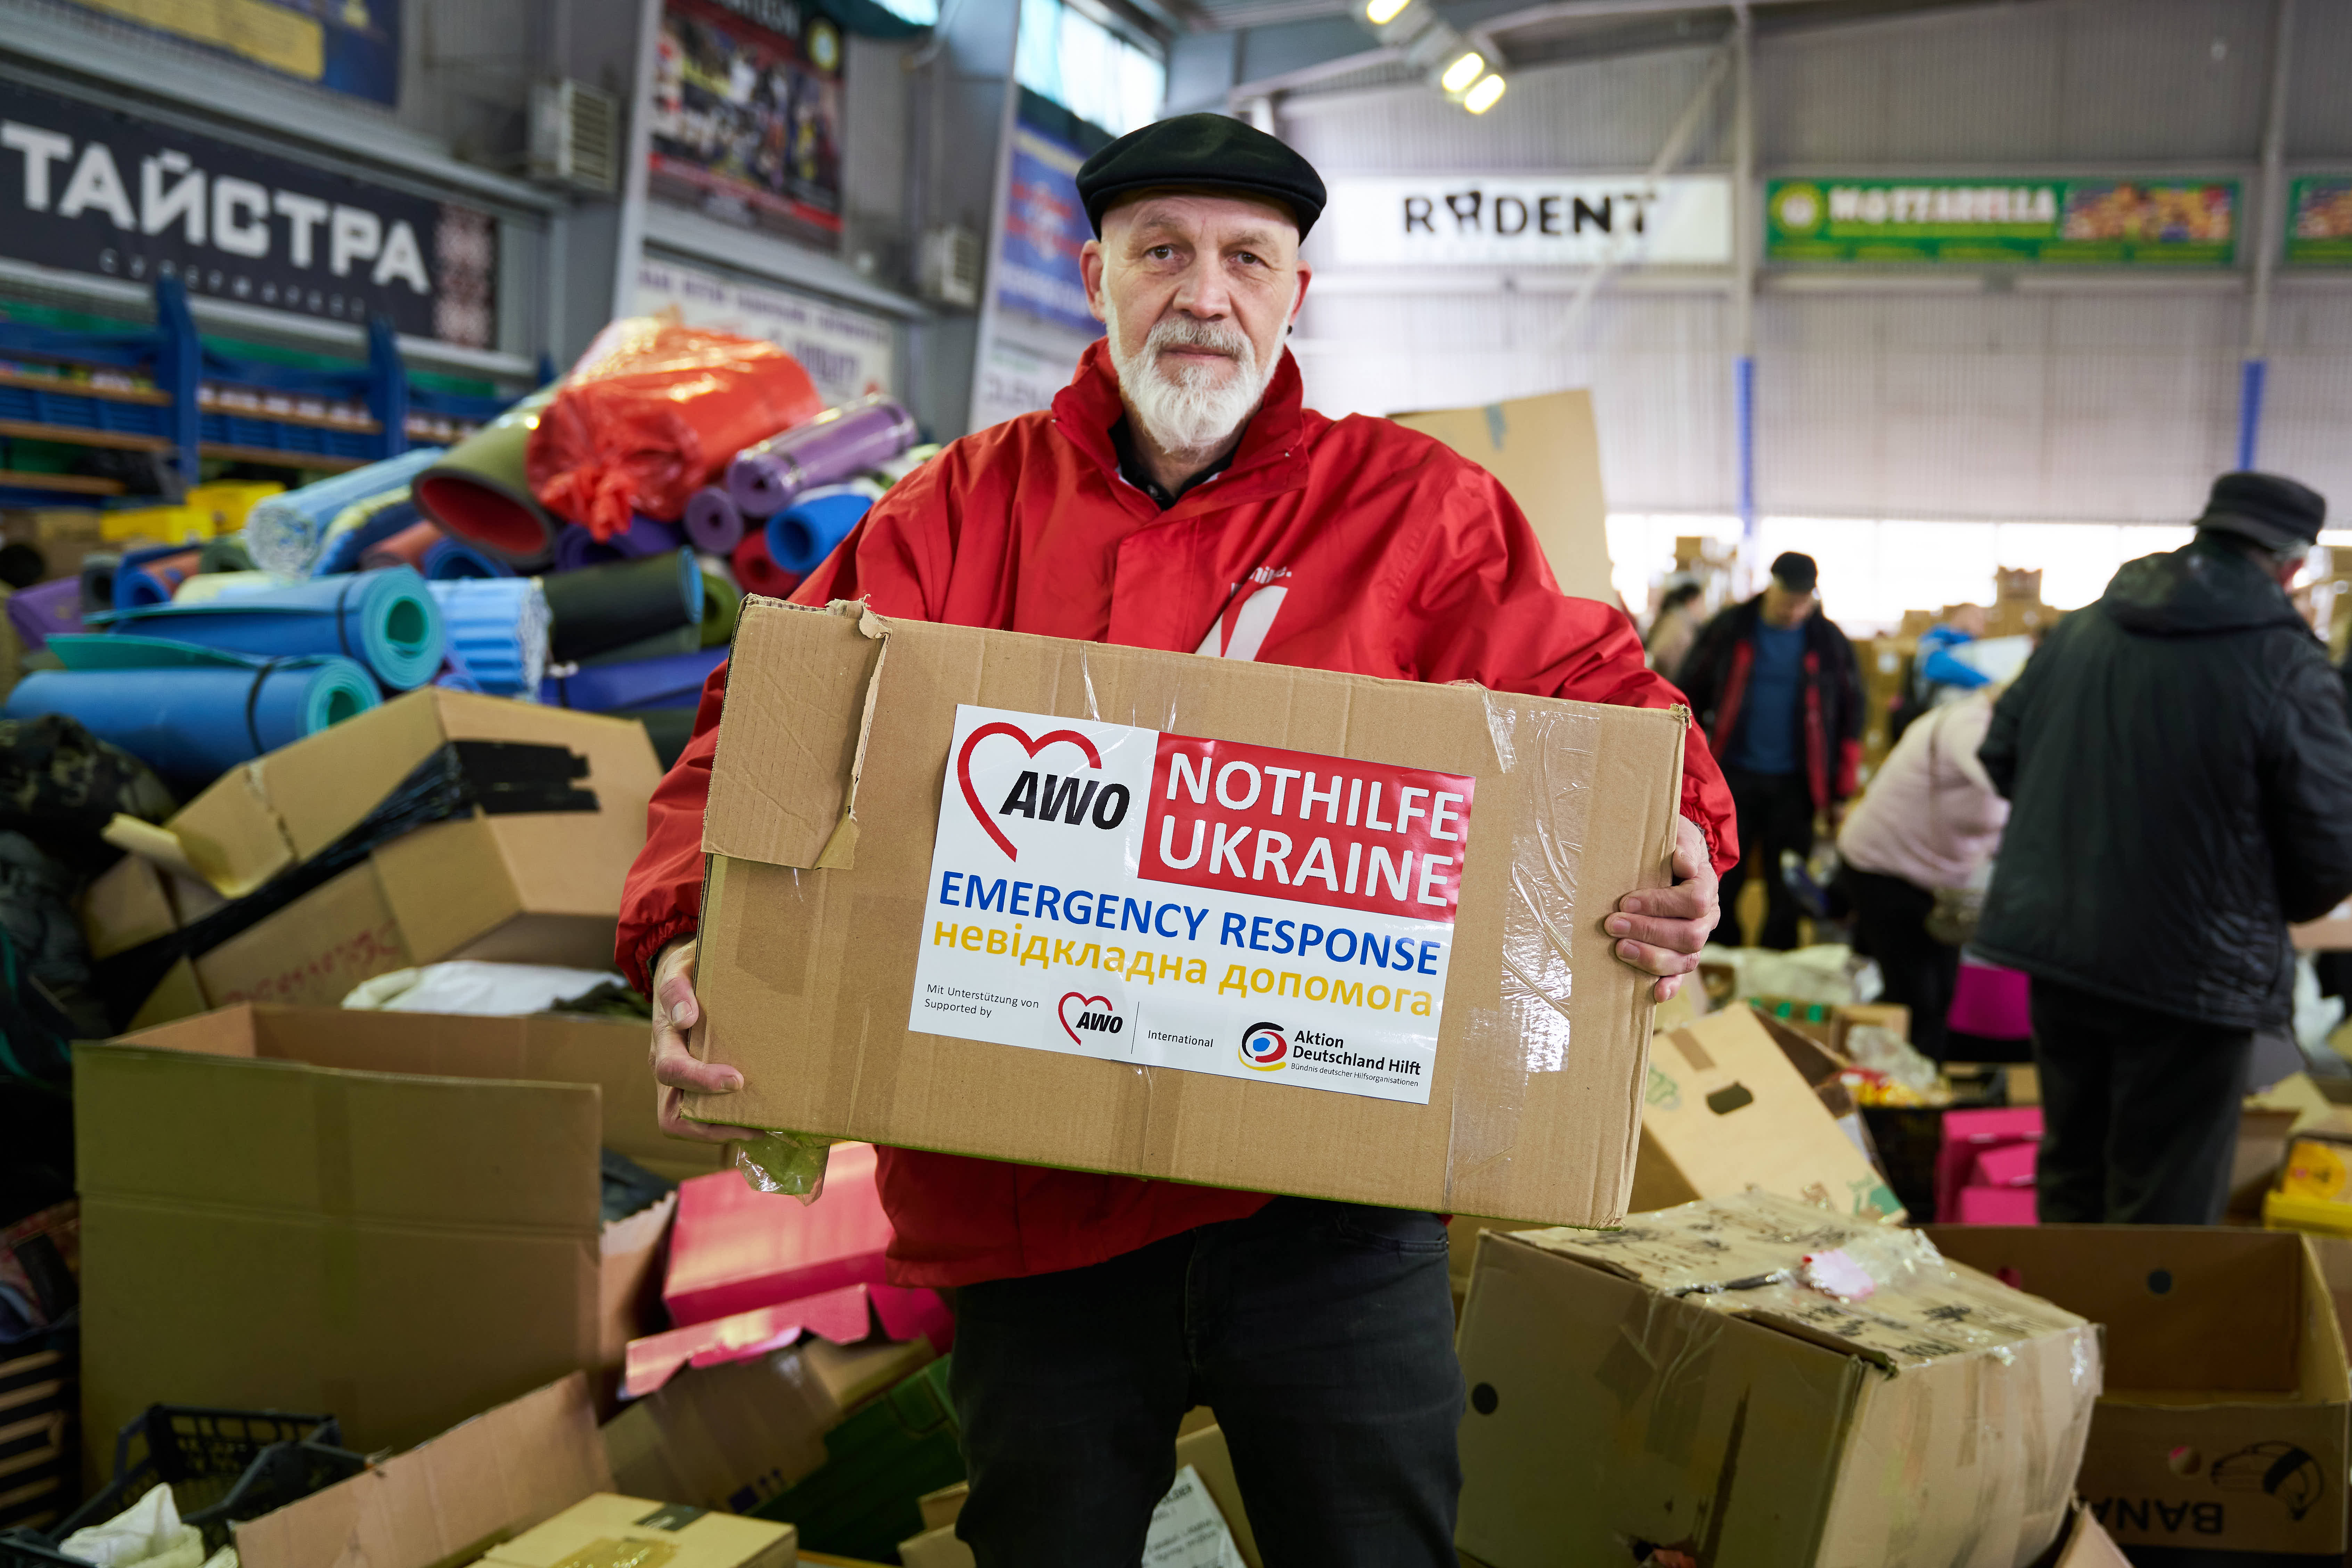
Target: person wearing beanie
[
  {"x": 2180, "y": 773},
  {"x": 1180, "y": 495},
  {"x": 1778, "y": 696}
]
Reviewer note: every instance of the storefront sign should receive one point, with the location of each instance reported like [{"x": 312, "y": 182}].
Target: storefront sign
[
  {"x": 1044, "y": 228},
  {"x": 92, "y": 190},
  {"x": 1529, "y": 220},
  {"x": 847, "y": 353},
  {"x": 351, "y": 46},
  {"x": 2098, "y": 222},
  {"x": 747, "y": 118},
  {"x": 2319, "y": 221},
  {"x": 1279, "y": 917}
]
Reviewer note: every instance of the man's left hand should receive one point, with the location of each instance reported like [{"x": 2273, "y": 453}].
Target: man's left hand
[{"x": 1662, "y": 930}]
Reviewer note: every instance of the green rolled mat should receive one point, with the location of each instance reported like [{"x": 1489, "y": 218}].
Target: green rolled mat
[
  {"x": 599, "y": 608},
  {"x": 479, "y": 492},
  {"x": 661, "y": 644},
  {"x": 721, "y": 603},
  {"x": 224, "y": 556}
]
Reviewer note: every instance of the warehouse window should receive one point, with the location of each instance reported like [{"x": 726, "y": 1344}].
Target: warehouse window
[{"x": 1095, "y": 73}]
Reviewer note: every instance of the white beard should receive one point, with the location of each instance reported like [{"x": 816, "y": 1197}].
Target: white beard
[{"x": 1192, "y": 410}]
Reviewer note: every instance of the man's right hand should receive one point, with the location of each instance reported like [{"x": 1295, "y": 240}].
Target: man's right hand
[{"x": 674, "y": 1068}]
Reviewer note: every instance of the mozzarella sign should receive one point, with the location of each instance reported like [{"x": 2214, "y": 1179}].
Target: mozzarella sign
[{"x": 1169, "y": 900}]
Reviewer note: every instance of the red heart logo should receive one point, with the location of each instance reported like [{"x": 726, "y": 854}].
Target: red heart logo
[
  {"x": 1063, "y": 1011},
  {"x": 971, "y": 796}
]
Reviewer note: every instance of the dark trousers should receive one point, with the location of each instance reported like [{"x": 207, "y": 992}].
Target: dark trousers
[
  {"x": 1776, "y": 813},
  {"x": 1320, "y": 1333},
  {"x": 1890, "y": 924},
  {"x": 2139, "y": 1111}
]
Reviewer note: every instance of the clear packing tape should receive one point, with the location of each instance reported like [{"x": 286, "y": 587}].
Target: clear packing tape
[
  {"x": 789, "y": 1162},
  {"x": 1977, "y": 1405}
]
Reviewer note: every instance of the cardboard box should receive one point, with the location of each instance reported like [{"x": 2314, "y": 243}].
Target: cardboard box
[
  {"x": 393, "y": 1217},
  {"x": 2086, "y": 1545},
  {"x": 534, "y": 874},
  {"x": 1644, "y": 1390},
  {"x": 862, "y": 1502},
  {"x": 446, "y": 1500},
  {"x": 839, "y": 773},
  {"x": 737, "y": 1248},
  {"x": 2224, "y": 1423},
  {"x": 608, "y": 1529},
  {"x": 851, "y": 1315},
  {"x": 1725, "y": 1110},
  {"x": 1547, "y": 452},
  {"x": 735, "y": 1435}
]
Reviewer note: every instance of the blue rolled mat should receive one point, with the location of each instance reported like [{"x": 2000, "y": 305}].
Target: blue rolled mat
[
  {"x": 496, "y": 633},
  {"x": 674, "y": 681},
  {"x": 194, "y": 720},
  {"x": 802, "y": 536},
  {"x": 286, "y": 534},
  {"x": 455, "y": 560},
  {"x": 152, "y": 576},
  {"x": 343, "y": 551},
  {"x": 387, "y": 619}
]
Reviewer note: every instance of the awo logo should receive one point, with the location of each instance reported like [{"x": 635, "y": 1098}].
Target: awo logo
[
  {"x": 1073, "y": 799},
  {"x": 1090, "y": 1020},
  {"x": 1266, "y": 1047}
]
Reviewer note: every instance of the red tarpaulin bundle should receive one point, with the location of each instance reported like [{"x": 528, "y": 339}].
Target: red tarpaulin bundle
[{"x": 653, "y": 412}]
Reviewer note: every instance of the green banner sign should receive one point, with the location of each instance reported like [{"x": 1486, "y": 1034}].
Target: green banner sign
[
  {"x": 2104, "y": 223},
  {"x": 2319, "y": 221}
]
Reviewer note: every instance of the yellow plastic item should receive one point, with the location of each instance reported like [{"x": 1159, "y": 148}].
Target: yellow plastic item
[
  {"x": 164, "y": 524},
  {"x": 2322, "y": 1217},
  {"x": 230, "y": 500},
  {"x": 2316, "y": 1170}
]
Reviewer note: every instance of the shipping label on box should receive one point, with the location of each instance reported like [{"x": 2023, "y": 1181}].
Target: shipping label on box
[{"x": 1263, "y": 914}]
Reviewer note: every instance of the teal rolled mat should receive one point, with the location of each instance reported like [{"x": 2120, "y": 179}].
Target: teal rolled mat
[
  {"x": 387, "y": 620},
  {"x": 192, "y": 713}
]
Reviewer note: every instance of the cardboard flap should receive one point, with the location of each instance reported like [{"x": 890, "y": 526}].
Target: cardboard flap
[
  {"x": 783, "y": 793},
  {"x": 447, "y": 1500}
]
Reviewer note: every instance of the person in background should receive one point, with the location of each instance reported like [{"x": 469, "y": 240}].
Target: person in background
[
  {"x": 1927, "y": 823},
  {"x": 1180, "y": 495},
  {"x": 1776, "y": 690},
  {"x": 1674, "y": 628},
  {"x": 2179, "y": 769},
  {"x": 1936, "y": 675}
]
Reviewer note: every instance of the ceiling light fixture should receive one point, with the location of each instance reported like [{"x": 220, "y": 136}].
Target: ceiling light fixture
[
  {"x": 1381, "y": 12},
  {"x": 1482, "y": 97},
  {"x": 1463, "y": 72}
]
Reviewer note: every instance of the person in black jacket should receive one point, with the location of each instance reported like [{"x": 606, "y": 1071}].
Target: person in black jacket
[
  {"x": 2181, "y": 769},
  {"x": 1776, "y": 690}
]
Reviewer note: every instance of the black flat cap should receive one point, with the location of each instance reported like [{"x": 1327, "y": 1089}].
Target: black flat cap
[
  {"x": 2268, "y": 509},
  {"x": 1211, "y": 151},
  {"x": 1798, "y": 574}
]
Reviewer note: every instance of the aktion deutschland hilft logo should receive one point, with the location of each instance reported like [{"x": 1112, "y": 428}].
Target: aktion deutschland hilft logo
[{"x": 1266, "y": 1047}]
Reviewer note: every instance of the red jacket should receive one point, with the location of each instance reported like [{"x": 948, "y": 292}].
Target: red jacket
[{"x": 1356, "y": 545}]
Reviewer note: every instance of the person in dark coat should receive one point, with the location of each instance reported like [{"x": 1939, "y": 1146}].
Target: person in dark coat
[
  {"x": 1776, "y": 690},
  {"x": 2179, "y": 769}
]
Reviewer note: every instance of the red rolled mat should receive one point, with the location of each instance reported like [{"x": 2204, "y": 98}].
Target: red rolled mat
[{"x": 756, "y": 570}]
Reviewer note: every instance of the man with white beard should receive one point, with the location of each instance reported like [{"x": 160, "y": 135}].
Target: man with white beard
[{"x": 1177, "y": 495}]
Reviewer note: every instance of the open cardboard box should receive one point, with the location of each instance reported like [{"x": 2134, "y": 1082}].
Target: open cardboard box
[
  {"x": 2224, "y": 1424},
  {"x": 534, "y": 874},
  {"x": 393, "y": 1217},
  {"x": 1547, "y": 452},
  {"x": 1654, "y": 1387},
  {"x": 856, "y": 832}
]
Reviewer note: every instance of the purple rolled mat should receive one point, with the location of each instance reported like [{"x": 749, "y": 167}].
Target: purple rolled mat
[
  {"x": 44, "y": 608},
  {"x": 713, "y": 520},
  {"x": 576, "y": 547},
  {"x": 839, "y": 444}
]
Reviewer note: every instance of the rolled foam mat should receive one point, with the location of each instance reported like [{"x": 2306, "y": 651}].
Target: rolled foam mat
[
  {"x": 661, "y": 644},
  {"x": 675, "y": 681},
  {"x": 478, "y": 490},
  {"x": 713, "y": 520},
  {"x": 42, "y": 611},
  {"x": 599, "y": 608},
  {"x": 361, "y": 528},
  {"x": 576, "y": 547},
  {"x": 757, "y": 570},
  {"x": 722, "y": 604},
  {"x": 802, "y": 536},
  {"x": 205, "y": 588},
  {"x": 496, "y": 633},
  {"x": 286, "y": 533},
  {"x": 98, "y": 570},
  {"x": 407, "y": 548},
  {"x": 838, "y": 443},
  {"x": 149, "y": 576},
  {"x": 387, "y": 620},
  {"x": 453, "y": 559},
  {"x": 224, "y": 556},
  {"x": 194, "y": 721}
]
